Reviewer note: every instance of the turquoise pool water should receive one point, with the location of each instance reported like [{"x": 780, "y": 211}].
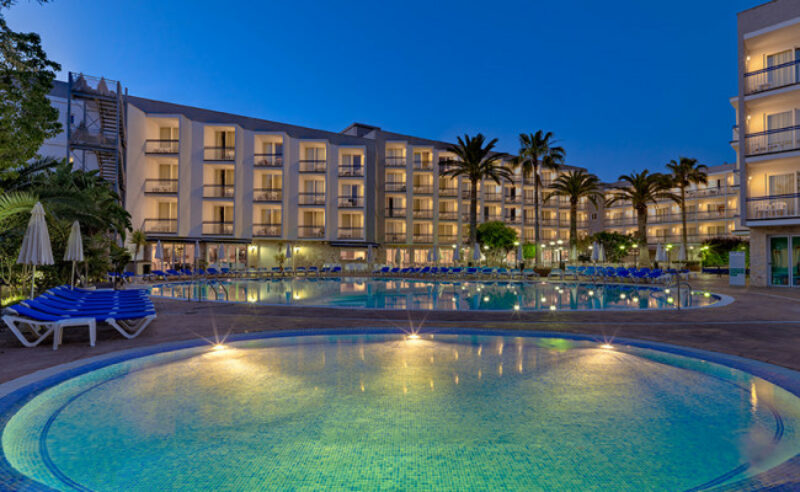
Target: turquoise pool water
[
  {"x": 382, "y": 293},
  {"x": 382, "y": 411}
]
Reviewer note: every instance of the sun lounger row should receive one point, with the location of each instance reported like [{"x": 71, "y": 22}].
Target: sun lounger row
[
  {"x": 127, "y": 311},
  {"x": 459, "y": 272}
]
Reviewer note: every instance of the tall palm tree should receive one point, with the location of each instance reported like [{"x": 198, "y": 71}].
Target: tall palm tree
[
  {"x": 475, "y": 160},
  {"x": 641, "y": 189},
  {"x": 684, "y": 173},
  {"x": 537, "y": 151},
  {"x": 575, "y": 185}
]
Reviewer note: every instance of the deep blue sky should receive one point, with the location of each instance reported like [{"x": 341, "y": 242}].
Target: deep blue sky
[{"x": 623, "y": 85}]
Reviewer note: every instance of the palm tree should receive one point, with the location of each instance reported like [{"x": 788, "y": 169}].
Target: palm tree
[
  {"x": 139, "y": 241},
  {"x": 686, "y": 172},
  {"x": 537, "y": 151},
  {"x": 641, "y": 189},
  {"x": 575, "y": 185},
  {"x": 475, "y": 160}
]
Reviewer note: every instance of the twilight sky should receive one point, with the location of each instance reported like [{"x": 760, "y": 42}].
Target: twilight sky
[{"x": 624, "y": 85}]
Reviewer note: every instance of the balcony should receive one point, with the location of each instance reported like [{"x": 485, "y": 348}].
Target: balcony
[
  {"x": 216, "y": 228},
  {"x": 513, "y": 198},
  {"x": 351, "y": 233},
  {"x": 620, "y": 221},
  {"x": 770, "y": 78},
  {"x": 451, "y": 191},
  {"x": 219, "y": 153},
  {"x": 447, "y": 237},
  {"x": 715, "y": 191},
  {"x": 163, "y": 147},
  {"x": 395, "y": 213},
  {"x": 492, "y": 197},
  {"x": 160, "y": 226},
  {"x": 351, "y": 171},
  {"x": 395, "y": 237},
  {"x": 395, "y": 187},
  {"x": 351, "y": 202},
  {"x": 516, "y": 219},
  {"x": 773, "y": 207},
  {"x": 529, "y": 221},
  {"x": 492, "y": 218},
  {"x": 423, "y": 165},
  {"x": 692, "y": 238},
  {"x": 450, "y": 215},
  {"x": 264, "y": 195},
  {"x": 313, "y": 166},
  {"x": 423, "y": 237},
  {"x": 267, "y": 230},
  {"x": 395, "y": 161},
  {"x": 161, "y": 186},
  {"x": 311, "y": 231},
  {"x": 311, "y": 198},
  {"x": 218, "y": 191},
  {"x": 723, "y": 214},
  {"x": 422, "y": 213},
  {"x": 467, "y": 194},
  {"x": 268, "y": 160},
  {"x": 772, "y": 141},
  {"x": 423, "y": 189}
]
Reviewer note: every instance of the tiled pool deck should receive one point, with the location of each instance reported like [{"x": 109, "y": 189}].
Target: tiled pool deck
[{"x": 762, "y": 324}]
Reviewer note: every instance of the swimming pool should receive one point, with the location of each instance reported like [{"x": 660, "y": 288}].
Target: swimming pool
[
  {"x": 388, "y": 293},
  {"x": 376, "y": 409}
]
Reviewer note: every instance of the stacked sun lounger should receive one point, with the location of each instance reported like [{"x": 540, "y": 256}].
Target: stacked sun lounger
[{"x": 127, "y": 311}]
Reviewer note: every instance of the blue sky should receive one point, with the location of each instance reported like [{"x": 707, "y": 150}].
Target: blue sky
[{"x": 623, "y": 85}]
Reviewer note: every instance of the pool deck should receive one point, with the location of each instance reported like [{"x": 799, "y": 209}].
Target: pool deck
[{"x": 762, "y": 324}]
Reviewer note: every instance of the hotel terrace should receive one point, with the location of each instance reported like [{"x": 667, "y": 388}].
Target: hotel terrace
[{"x": 249, "y": 187}]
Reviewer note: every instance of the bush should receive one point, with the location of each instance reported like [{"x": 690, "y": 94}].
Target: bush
[{"x": 714, "y": 251}]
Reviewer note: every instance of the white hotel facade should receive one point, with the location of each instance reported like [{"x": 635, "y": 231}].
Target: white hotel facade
[{"x": 250, "y": 187}]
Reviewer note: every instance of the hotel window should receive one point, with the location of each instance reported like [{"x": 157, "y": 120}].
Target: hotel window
[
  {"x": 223, "y": 213},
  {"x": 225, "y": 139},
  {"x": 167, "y": 171},
  {"x": 272, "y": 148},
  {"x": 271, "y": 216},
  {"x": 313, "y": 218},
  {"x": 351, "y": 190},
  {"x": 351, "y": 160},
  {"x": 167, "y": 210},
  {"x": 223, "y": 177},
  {"x": 781, "y": 184},
  {"x": 314, "y": 186},
  {"x": 168, "y": 133},
  {"x": 315, "y": 153},
  {"x": 271, "y": 181},
  {"x": 423, "y": 158}
]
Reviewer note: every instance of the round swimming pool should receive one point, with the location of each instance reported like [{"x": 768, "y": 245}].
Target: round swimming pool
[
  {"x": 388, "y": 293},
  {"x": 377, "y": 409}
]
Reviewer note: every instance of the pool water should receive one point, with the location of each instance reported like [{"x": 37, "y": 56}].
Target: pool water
[
  {"x": 382, "y": 411},
  {"x": 384, "y": 293}
]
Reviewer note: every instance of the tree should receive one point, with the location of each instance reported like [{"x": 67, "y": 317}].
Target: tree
[
  {"x": 537, "y": 151},
  {"x": 139, "y": 241},
  {"x": 615, "y": 245},
  {"x": 475, "y": 160},
  {"x": 497, "y": 236},
  {"x": 575, "y": 185},
  {"x": 686, "y": 172},
  {"x": 641, "y": 189},
  {"x": 27, "y": 118}
]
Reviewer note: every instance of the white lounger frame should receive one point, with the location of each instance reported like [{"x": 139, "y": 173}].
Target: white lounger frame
[{"x": 15, "y": 323}]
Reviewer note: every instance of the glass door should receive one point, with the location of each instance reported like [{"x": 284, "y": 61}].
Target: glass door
[
  {"x": 795, "y": 259},
  {"x": 779, "y": 261}
]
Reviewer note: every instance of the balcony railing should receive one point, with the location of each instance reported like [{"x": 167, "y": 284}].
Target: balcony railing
[
  {"x": 773, "y": 141},
  {"x": 160, "y": 226},
  {"x": 267, "y": 195},
  {"x": 423, "y": 237},
  {"x": 492, "y": 217},
  {"x": 422, "y": 213},
  {"x": 160, "y": 146},
  {"x": 467, "y": 194},
  {"x": 690, "y": 216},
  {"x": 513, "y": 198},
  {"x": 692, "y": 238},
  {"x": 396, "y": 187},
  {"x": 423, "y": 165},
  {"x": 218, "y": 191},
  {"x": 517, "y": 219},
  {"x": 492, "y": 197},
  {"x": 267, "y": 230},
  {"x": 395, "y": 161},
  {"x": 268, "y": 160},
  {"x": 448, "y": 215},
  {"x": 620, "y": 221},
  {"x": 313, "y": 166},
  {"x": 448, "y": 191},
  {"x": 161, "y": 186},
  {"x": 423, "y": 189},
  {"x": 715, "y": 191},
  {"x": 395, "y": 213},
  {"x": 216, "y": 228},
  {"x": 311, "y": 198},
  {"x": 772, "y": 77},
  {"x": 219, "y": 153},
  {"x": 447, "y": 237},
  {"x": 543, "y": 222},
  {"x": 773, "y": 207},
  {"x": 351, "y": 171},
  {"x": 351, "y": 233},
  {"x": 395, "y": 237},
  {"x": 351, "y": 202},
  {"x": 311, "y": 232}
]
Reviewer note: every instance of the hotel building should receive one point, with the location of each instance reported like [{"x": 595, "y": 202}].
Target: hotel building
[
  {"x": 247, "y": 187},
  {"x": 766, "y": 138}
]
